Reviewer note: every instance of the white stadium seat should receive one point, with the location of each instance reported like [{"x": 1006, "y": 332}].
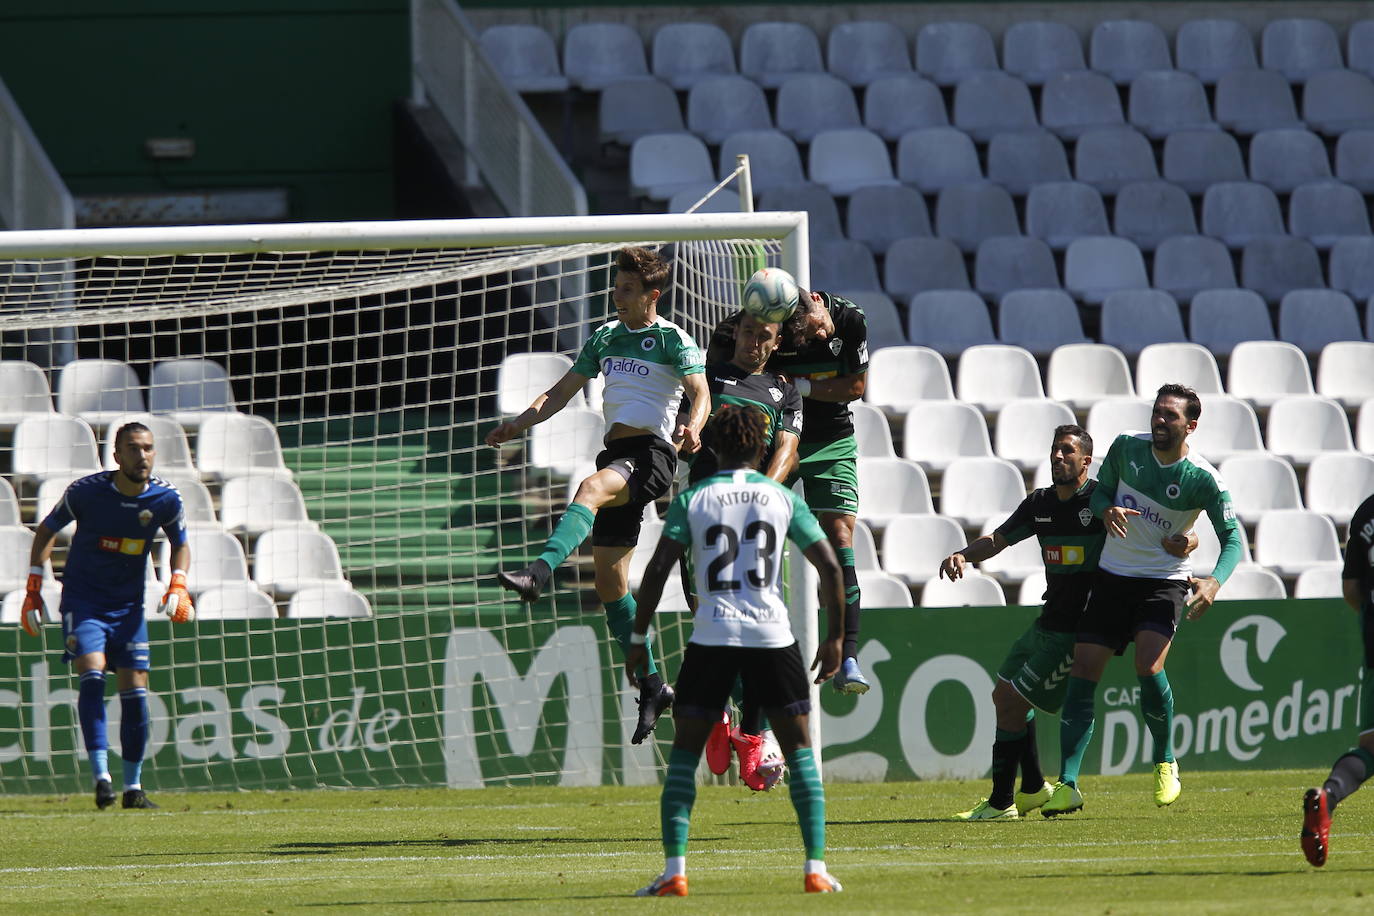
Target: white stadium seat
[
  {"x": 934, "y": 433},
  {"x": 890, "y": 487},
  {"x": 1250, "y": 582},
  {"x": 914, "y": 545},
  {"x": 1290, "y": 541},
  {"x": 973, "y": 590},
  {"x": 974, "y": 490}
]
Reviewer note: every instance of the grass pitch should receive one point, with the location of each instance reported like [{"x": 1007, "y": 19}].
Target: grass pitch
[{"x": 1229, "y": 845}]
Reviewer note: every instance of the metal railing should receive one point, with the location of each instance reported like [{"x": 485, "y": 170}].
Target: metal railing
[
  {"x": 32, "y": 195},
  {"x": 503, "y": 140}
]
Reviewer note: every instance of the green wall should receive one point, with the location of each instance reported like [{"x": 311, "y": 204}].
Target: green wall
[{"x": 295, "y": 94}]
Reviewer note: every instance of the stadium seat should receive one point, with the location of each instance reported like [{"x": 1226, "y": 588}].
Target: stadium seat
[
  {"x": 1187, "y": 265},
  {"x": 918, "y": 265},
  {"x": 915, "y": 545},
  {"x": 1275, "y": 266},
  {"x": 724, "y": 200},
  {"x": 48, "y": 494},
  {"x": 969, "y": 213},
  {"x": 1337, "y": 482},
  {"x": 565, "y": 440},
  {"x": 948, "y": 321},
  {"x": 1312, "y": 318},
  {"x": 1364, "y": 427},
  {"x": 53, "y": 446},
  {"x": 1324, "y": 212},
  {"x": 1032, "y": 590},
  {"x": 1183, "y": 363},
  {"x": 1335, "y": 101},
  {"x": 16, "y": 543},
  {"x": 1132, "y": 319},
  {"x": 9, "y": 505},
  {"x": 628, "y": 109},
  {"x": 773, "y": 158},
  {"x": 252, "y": 505},
  {"x": 1354, "y": 159},
  {"x": 948, "y": 51},
  {"x": 1351, "y": 267},
  {"x": 1010, "y": 262},
  {"x": 1077, "y": 101},
  {"x": 1238, "y": 212},
  {"x": 1262, "y": 371},
  {"x": 198, "y": 507},
  {"x": 1284, "y": 159},
  {"x": 23, "y": 392},
  {"x": 772, "y": 52},
  {"x": 1125, "y": 48},
  {"x": 13, "y": 602},
  {"x": 901, "y": 377},
  {"x": 881, "y": 590},
  {"x": 1109, "y": 158},
  {"x": 846, "y": 159},
  {"x": 1221, "y": 318},
  {"x": 522, "y": 377},
  {"x": 824, "y": 215},
  {"x": 1018, "y": 561},
  {"x": 934, "y": 433},
  {"x": 1359, "y": 47},
  {"x": 885, "y": 325},
  {"x": 991, "y": 375},
  {"x": 173, "y": 448},
  {"x": 862, "y": 52},
  {"x": 1165, "y": 101},
  {"x": 1298, "y": 48},
  {"x": 1110, "y": 417},
  {"x": 843, "y": 264},
  {"x": 871, "y": 432},
  {"x": 1148, "y": 212},
  {"x": 1319, "y": 582},
  {"x": 235, "y": 602},
  {"x": 1025, "y": 428},
  {"x": 991, "y": 102},
  {"x": 97, "y": 390},
  {"x": 327, "y": 601},
  {"x": 685, "y": 53},
  {"x": 596, "y": 54},
  {"x": 722, "y": 106},
  {"x": 663, "y": 164},
  {"x": 1345, "y": 372},
  {"x": 1097, "y": 266},
  {"x": 1252, "y": 582},
  {"x": 1039, "y": 320},
  {"x": 1250, "y": 101},
  {"x": 974, "y": 490},
  {"x": 973, "y": 590},
  {"x": 889, "y": 487},
  {"x": 190, "y": 389},
  {"x": 1258, "y": 484},
  {"x": 238, "y": 445},
  {"x": 1302, "y": 427},
  {"x": 879, "y": 215},
  {"x": 1195, "y": 160},
  {"x": 1036, "y": 50},
  {"x": 289, "y": 559},
  {"x": 1082, "y": 374},
  {"x": 1228, "y": 426},
  {"x": 894, "y": 105},
  {"x": 865, "y": 548},
  {"x": 217, "y": 559},
  {"x": 1061, "y": 211},
  {"x": 809, "y": 103},
  {"x": 932, "y": 159},
  {"x": 1211, "y": 48},
  {"x": 1019, "y": 161},
  {"x": 1204, "y": 559},
  {"x": 1290, "y": 541},
  {"x": 525, "y": 56}
]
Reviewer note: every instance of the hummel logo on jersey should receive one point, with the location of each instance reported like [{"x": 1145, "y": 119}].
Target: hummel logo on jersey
[
  {"x": 777, "y": 395},
  {"x": 727, "y": 381},
  {"x": 1039, "y": 519}
]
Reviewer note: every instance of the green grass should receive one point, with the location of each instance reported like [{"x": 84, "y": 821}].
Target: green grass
[{"x": 1229, "y": 845}]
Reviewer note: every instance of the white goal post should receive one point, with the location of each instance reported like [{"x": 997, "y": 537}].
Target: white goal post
[{"x": 320, "y": 393}]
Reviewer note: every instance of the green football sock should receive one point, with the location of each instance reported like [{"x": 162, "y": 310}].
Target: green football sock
[
  {"x": 1007, "y": 748},
  {"x": 572, "y": 529},
  {"x": 1157, "y": 704},
  {"x": 1075, "y": 727},
  {"x": 620, "y": 619},
  {"x": 808, "y": 798},
  {"x": 675, "y": 804}
]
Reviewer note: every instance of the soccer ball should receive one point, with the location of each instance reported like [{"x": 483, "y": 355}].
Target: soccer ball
[{"x": 770, "y": 295}]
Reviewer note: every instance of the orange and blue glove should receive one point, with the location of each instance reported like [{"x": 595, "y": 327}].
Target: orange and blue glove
[
  {"x": 34, "y": 614},
  {"x": 176, "y": 604}
]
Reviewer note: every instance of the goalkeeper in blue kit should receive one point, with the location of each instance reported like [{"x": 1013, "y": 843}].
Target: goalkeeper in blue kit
[{"x": 117, "y": 515}]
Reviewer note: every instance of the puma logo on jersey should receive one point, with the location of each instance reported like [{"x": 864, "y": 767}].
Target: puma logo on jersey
[{"x": 1135, "y": 467}]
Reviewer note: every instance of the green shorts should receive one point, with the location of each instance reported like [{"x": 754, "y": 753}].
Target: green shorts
[
  {"x": 829, "y": 472},
  {"x": 1037, "y": 666}
]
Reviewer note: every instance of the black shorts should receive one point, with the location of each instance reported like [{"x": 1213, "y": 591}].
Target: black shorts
[
  {"x": 1121, "y": 606},
  {"x": 773, "y": 678},
  {"x": 648, "y": 464}
]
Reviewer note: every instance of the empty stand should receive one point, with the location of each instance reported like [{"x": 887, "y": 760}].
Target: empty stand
[
  {"x": 975, "y": 490},
  {"x": 991, "y": 375},
  {"x": 879, "y": 215},
  {"x": 1221, "y": 318},
  {"x": 1337, "y": 482},
  {"x": 896, "y": 104},
  {"x": 973, "y": 590},
  {"x": 846, "y": 159},
  {"x": 1228, "y": 427},
  {"x": 1082, "y": 374},
  {"x": 685, "y": 53},
  {"x": 889, "y": 487},
  {"x": 1133, "y": 319},
  {"x": 862, "y": 52},
  {"x": 1302, "y": 427},
  {"x": 1025, "y": 428},
  {"x": 900, "y": 377},
  {"x": 1290, "y": 541},
  {"x": 809, "y": 103},
  {"x": 596, "y": 54},
  {"x": 1097, "y": 266},
  {"x": 1037, "y": 50},
  {"x": 915, "y": 545},
  {"x": 948, "y": 51},
  {"x": 1039, "y": 320},
  {"x": 932, "y": 159},
  {"x": 936, "y": 433},
  {"x": 1259, "y": 484},
  {"x": 771, "y": 52},
  {"x": 525, "y": 56},
  {"x": 1262, "y": 371},
  {"x": 661, "y": 165},
  {"x": 1125, "y": 48},
  {"x": 722, "y": 106},
  {"x": 949, "y": 321},
  {"x": 190, "y": 389},
  {"x": 1109, "y": 158}
]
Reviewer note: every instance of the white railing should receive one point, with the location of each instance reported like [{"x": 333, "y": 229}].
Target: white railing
[
  {"x": 32, "y": 195},
  {"x": 501, "y": 137}
]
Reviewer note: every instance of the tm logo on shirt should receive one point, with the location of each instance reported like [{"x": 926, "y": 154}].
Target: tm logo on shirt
[
  {"x": 128, "y": 546},
  {"x": 1064, "y": 555}
]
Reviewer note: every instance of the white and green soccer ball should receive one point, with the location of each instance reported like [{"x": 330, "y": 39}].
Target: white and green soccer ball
[{"x": 770, "y": 295}]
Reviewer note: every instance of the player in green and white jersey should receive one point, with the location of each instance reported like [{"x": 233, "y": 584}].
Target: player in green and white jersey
[
  {"x": 648, "y": 363},
  {"x": 1150, "y": 485},
  {"x": 734, "y": 523}
]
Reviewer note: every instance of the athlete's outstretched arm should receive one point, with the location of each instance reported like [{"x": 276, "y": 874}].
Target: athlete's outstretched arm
[
  {"x": 42, "y": 545},
  {"x": 830, "y": 652},
  {"x": 689, "y": 433},
  {"x": 541, "y": 408},
  {"x": 784, "y": 460},
  {"x": 661, "y": 565}
]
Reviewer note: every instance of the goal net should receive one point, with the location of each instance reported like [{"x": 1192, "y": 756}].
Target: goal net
[{"x": 320, "y": 394}]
